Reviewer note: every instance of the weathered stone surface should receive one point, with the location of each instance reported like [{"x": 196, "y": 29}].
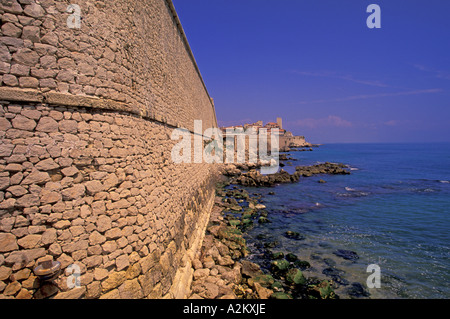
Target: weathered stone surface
[
  {"x": 201, "y": 273},
  {"x": 68, "y": 126},
  {"x": 28, "y": 82},
  {"x": 20, "y": 70},
  {"x": 4, "y": 182},
  {"x": 75, "y": 293},
  {"x": 103, "y": 223},
  {"x": 14, "y": 167},
  {"x": 100, "y": 274},
  {"x": 96, "y": 238},
  {"x": 5, "y": 272},
  {"x": 73, "y": 192},
  {"x": 62, "y": 224},
  {"x": 31, "y": 33},
  {"x": 47, "y": 124},
  {"x": 48, "y": 197},
  {"x": 49, "y": 236},
  {"x": 114, "y": 280},
  {"x": 12, "y": 288},
  {"x": 130, "y": 289},
  {"x": 109, "y": 246},
  {"x": 34, "y": 10},
  {"x": 113, "y": 294},
  {"x": 122, "y": 262},
  {"x": 16, "y": 94},
  {"x": 70, "y": 171},
  {"x": 4, "y": 124},
  {"x": 25, "y": 256},
  {"x": 46, "y": 165},
  {"x": 36, "y": 177},
  {"x": 8, "y": 242},
  {"x": 11, "y": 6},
  {"x": 50, "y": 38},
  {"x": 26, "y": 56},
  {"x": 17, "y": 190},
  {"x": 31, "y": 114},
  {"x": 113, "y": 233},
  {"x": 10, "y": 30},
  {"x": 29, "y": 241},
  {"x": 66, "y": 159},
  {"x": 28, "y": 200},
  {"x": 8, "y": 203},
  {"x": 23, "y": 123},
  {"x": 74, "y": 246},
  {"x": 94, "y": 187},
  {"x": 10, "y": 80}
]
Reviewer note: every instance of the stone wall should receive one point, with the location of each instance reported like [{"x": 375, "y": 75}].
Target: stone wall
[
  {"x": 131, "y": 52},
  {"x": 292, "y": 141},
  {"x": 86, "y": 176}
]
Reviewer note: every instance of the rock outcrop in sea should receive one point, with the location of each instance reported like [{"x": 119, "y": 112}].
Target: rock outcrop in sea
[{"x": 254, "y": 178}]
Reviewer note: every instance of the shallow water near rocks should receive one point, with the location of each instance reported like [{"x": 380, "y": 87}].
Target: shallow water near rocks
[{"x": 393, "y": 211}]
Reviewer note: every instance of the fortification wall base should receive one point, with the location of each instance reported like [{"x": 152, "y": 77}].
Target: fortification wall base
[{"x": 96, "y": 188}]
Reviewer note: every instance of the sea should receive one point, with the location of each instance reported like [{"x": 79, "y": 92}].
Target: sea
[{"x": 393, "y": 211}]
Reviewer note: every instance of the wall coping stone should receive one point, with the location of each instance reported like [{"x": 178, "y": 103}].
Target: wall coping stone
[
  {"x": 66, "y": 99},
  {"x": 20, "y": 95}
]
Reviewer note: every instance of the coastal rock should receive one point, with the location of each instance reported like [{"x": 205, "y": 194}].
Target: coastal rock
[
  {"x": 264, "y": 280},
  {"x": 280, "y": 295},
  {"x": 250, "y": 269},
  {"x": 357, "y": 290},
  {"x": 254, "y": 178},
  {"x": 291, "y": 257},
  {"x": 346, "y": 254},
  {"x": 276, "y": 255},
  {"x": 295, "y": 276},
  {"x": 263, "y": 293},
  {"x": 302, "y": 264},
  {"x": 293, "y": 235},
  {"x": 279, "y": 266},
  {"x": 325, "y": 168},
  {"x": 336, "y": 275},
  {"x": 323, "y": 290}
]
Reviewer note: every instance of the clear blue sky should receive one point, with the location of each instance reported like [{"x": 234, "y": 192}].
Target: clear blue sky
[{"x": 317, "y": 65}]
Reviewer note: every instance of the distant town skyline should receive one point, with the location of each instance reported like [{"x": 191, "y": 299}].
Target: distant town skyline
[{"x": 318, "y": 66}]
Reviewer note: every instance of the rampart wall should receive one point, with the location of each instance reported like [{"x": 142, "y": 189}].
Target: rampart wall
[{"x": 86, "y": 176}]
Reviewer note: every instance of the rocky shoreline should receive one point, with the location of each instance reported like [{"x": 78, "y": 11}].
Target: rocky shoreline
[
  {"x": 248, "y": 176},
  {"x": 221, "y": 270}
]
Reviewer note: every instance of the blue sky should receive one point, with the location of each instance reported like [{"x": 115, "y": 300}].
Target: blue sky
[{"x": 317, "y": 65}]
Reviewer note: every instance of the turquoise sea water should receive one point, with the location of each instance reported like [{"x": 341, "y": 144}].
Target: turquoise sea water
[{"x": 393, "y": 211}]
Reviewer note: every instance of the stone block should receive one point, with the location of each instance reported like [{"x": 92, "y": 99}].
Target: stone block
[
  {"x": 131, "y": 289},
  {"x": 8, "y": 242},
  {"x": 114, "y": 280},
  {"x": 47, "y": 124},
  {"x": 23, "y": 123}
]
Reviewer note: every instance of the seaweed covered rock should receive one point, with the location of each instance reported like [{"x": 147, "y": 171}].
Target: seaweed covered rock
[
  {"x": 295, "y": 276},
  {"x": 346, "y": 254},
  {"x": 264, "y": 280},
  {"x": 280, "y": 266},
  {"x": 293, "y": 235},
  {"x": 323, "y": 290},
  {"x": 280, "y": 295}
]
